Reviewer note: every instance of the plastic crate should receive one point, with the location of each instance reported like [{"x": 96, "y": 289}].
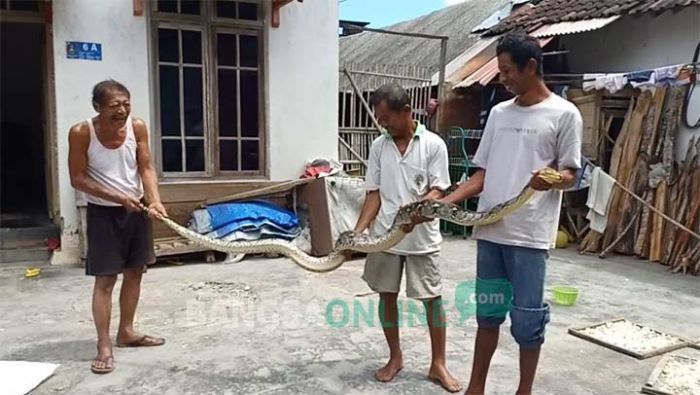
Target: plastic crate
[{"x": 461, "y": 144}]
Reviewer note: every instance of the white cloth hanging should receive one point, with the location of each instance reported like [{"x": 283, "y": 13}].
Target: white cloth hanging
[{"x": 599, "y": 199}]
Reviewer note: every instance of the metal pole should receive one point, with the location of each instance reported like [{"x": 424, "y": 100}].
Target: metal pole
[{"x": 362, "y": 100}]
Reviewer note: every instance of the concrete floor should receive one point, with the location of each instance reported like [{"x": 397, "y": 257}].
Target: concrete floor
[{"x": 259, "y": 327}]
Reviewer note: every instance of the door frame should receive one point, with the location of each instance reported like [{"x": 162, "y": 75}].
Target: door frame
[{"x": 48, "y": 121}]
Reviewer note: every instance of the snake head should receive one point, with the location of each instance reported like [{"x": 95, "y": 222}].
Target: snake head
[
  {"x": 403, "y": 216},
  {"x": 550, "y": 175}
]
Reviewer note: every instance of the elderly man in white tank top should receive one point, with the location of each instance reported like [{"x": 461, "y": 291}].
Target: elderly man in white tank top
[{"x": 109, "y": 160}]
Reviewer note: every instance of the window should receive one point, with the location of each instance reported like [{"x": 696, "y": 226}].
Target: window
[
  {"x": 208, "y": 63},
  {"x": 20, "y": 5}
]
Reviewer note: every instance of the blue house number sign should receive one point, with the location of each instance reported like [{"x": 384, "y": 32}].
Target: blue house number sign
[{"x": 80, "y": 50}]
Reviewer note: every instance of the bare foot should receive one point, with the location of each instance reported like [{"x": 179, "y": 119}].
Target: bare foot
[
  {"x": 390, "y": 370},
  {"x": 440, "y": 374}
]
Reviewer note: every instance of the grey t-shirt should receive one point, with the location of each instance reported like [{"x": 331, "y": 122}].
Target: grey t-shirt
[{"x": 516, "y": 142}]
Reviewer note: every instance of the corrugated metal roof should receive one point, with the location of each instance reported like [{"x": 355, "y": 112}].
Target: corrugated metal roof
[
  {"x": 469, "y": 61},
  {"x": 483, "y": 76},
  {"x": 562, "y": 28},
  {"x": 486, "y": 73}
]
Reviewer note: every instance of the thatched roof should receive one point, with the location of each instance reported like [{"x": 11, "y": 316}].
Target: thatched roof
[{"x": 455, "y": 21}]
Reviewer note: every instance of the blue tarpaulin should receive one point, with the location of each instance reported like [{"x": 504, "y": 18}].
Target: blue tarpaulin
[{"x": 256, "y": 217}]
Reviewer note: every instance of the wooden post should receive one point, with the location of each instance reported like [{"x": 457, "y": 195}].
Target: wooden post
[
  {"x": 441, "y": 86},
  {"x": 138, "y": 7},
  {"x": 275, "y": 14},
  {"x": 657, "y": 231},
  {"x": 352, "y": 151}
]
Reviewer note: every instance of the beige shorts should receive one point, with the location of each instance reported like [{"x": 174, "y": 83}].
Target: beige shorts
[{"x": 383, "y": 273}]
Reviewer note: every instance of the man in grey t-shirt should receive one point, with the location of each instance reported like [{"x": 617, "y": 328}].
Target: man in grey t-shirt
[{"x": 534, "y": 130}]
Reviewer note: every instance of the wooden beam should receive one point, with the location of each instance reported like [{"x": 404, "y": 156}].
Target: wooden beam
[
  {"x": 276, "y": 188},
  {"x": 352, "y": 151},
  {"x": 658, "y": 223},
  {"x": 46, "y": 9},
  {"x": 396, "y": 33},
  {"x": 363, "y": 101},
  {"x": 138, "y": 7},
  {"x": 275, "y": 16}
]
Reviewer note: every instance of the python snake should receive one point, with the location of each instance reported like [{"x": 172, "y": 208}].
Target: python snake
[{"x": 351, "y": 241}]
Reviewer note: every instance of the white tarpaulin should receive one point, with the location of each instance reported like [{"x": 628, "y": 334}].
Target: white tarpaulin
[
  {"x": 345, "y": 198},
  {"x": 20, "y": 377}
]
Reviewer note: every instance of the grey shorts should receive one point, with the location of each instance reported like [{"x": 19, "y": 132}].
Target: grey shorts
[{"x": 383, "y": 272}]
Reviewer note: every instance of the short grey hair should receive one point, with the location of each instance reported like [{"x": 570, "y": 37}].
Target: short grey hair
[
  {"x": 101, "y": 91},
  {"x": 393, "y": 94}
]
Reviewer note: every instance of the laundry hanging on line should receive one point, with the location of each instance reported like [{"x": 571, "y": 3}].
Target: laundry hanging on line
[
  {"x": 674, "y": 75},
  {"x": 598, "y": 201}
]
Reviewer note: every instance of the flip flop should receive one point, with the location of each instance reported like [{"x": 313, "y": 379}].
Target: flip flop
[
  {"x": 108, "y": 362},
  {"x": 144, "y": 341}
]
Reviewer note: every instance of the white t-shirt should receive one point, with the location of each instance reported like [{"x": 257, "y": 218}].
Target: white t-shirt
[
  {"x": 403, "y": 180},
  {"x": 518, "y": 140}
]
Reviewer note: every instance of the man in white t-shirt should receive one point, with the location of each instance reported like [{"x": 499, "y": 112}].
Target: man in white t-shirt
[
  {"x": 407, "y": 163},
  {"x": 534, "y": 130}
]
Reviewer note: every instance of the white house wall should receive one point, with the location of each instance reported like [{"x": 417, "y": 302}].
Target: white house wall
[
  {"x": 124, "y": 58},
  {"x": 303, "y": 87},
  {"x": 638, "y": 43}
]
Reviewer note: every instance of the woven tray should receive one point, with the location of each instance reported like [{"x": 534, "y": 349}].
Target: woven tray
[
  {"x": 674, "y": 375},
  {"x": 630, "y": 338}
]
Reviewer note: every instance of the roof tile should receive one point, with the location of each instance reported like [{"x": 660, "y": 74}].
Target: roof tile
[{"x": 554, "y": 11}]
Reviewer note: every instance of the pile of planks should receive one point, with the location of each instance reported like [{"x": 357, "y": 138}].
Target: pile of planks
[{"x": 642, "y": 161}]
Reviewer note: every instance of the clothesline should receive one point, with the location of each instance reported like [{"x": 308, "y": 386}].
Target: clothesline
[{"x": 579, "y": 77}]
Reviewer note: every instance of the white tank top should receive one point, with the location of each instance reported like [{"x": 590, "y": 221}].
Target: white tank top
[{"x": 117, "y": 168}]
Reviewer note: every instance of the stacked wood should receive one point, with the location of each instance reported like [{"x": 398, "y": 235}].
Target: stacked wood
[
  {"x": 657, "y": 229},
  {"x": 622, "y": 164},
  {"x": 642, "y": 163},
  {"x": 593, "y": 240},
  {"x": 641, "y": 245},
  {"x": 630, "y": 171},
  {"x": 687, "y": 212}
]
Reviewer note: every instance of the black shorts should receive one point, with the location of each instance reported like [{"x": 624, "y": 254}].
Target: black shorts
[{"x": 117, "y": 240}]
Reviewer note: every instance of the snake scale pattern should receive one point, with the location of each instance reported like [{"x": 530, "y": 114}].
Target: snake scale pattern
[{"x": 351, "y": 241}]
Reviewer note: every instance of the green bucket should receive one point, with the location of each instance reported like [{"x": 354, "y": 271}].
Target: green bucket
[{"x": 564, "y": 295}]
